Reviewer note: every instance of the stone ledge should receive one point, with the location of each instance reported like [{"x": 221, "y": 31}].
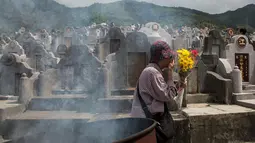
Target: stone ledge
[
  {"x": 8, "y": 97},
  {"x": 123, "y": 92},
  {"x": 246, "y": 103},
  {"x": 60, "y": 102},
  {"x": 10, "y": 108},
  {"x": 114, "y": 104},
  {"x": 207, "y": 115},
  {"x": 248, "y": 87},
  {"x": 243, "y": 96},
  {"x": 198, "y": 98}
]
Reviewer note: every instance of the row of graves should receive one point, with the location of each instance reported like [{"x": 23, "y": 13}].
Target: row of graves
[
  {"x": 126, "y": 54},
  {"x": 90, "y": 74}
]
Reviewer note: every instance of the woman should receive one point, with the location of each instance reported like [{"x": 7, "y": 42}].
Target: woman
[{"x": 154, "y": 90}]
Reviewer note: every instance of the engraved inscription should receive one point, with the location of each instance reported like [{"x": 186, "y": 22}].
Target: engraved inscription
[{"x": 242, "y": 61}]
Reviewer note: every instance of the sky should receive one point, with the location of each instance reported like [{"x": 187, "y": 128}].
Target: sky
[{"x": 209, "y": 6}]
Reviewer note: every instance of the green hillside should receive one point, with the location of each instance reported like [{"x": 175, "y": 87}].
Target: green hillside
[{"x": 49, "y": 14}]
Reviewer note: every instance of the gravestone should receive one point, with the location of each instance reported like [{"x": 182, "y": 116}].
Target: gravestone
[
  {"x": 214, "y": 44},
  {"x": 28, "y": 43},
  {"x": 138, "y": 54},
  {"x": 68, "y": 36},
  {"x": 40, "y": 59},
  {"x": 14, "y": 47},
  {"x": 12, "y": 68},
  {"x": 179, "y": 43},
  {"x": 77, "y": 69},
  {"x": 45, "y": 38},
  {"x": 240, "y": 53},
  {"x": 19, "y": 35},
  {"x": 2, "y": 45},
  {"x": 112, "y": 42},
  {"x": 152, "y": 29},
  {"x": 116, "y": 39}
]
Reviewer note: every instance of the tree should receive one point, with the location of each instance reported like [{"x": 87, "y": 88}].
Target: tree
[{"x": 97, "y": 18}]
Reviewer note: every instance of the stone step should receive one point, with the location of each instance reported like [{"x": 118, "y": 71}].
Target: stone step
[
  {"x": 8, "y": 97},
  {"x": 61, "y": 92},
  {"x": 243, "y": 96},
  {"x": 228, "y": 122},
  {"x": 114, "y": 104},
  {"x": 249, "y": 91},
  {"x": 248, "y": 87},
  {"x": 60, "y": 102},
  {"x": 198, "y": 98},
  {"x": 129, "y": 91},
  {"x": 10, "y": 108},
  {"x": 246, "y": 103}
]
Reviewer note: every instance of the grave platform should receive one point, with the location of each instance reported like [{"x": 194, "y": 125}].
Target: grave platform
[
  {"x": 217, "y": 123},
  {"x": 128, "y": 91},
  {"x": 249, "y": 103},
  {"x": 10, "y": 108},
  {"x": 60, "y": 102}
]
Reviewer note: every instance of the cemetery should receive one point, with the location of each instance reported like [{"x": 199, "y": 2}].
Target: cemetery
[{"x": 54, "y": 85}]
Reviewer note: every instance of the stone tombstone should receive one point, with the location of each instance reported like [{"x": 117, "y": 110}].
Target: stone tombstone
[
  {"x": 117, "y": 45},
  {"x": 28, "y": 43},
  {"x": 179, "y": 43},
  {"x": 19, "y": 35},
  {"x": 95, "y": 34},
  {"x": 54, "y": 41},
  {"x": 77, "y": 69},
  {"x": 116, "y": 39},
  {"x": 68, "y": 35},
  {"x": 2, "y": 45},
  {"x": 151, "y": 29},
  {"x": 7, "y": 39},
  {"x": 46, "y": 39},
  {"x": 14, "y": 47},
  {"x": 138, "y": 54},
  {"x": 240, "y": 53},
  {"x": 41, "y": 60},
  {"x": 166, "y": 36},
  {"x": 12, "y": 68},
  {"x": 117, "y": 67},
  {"x": 214, "y": 44}
]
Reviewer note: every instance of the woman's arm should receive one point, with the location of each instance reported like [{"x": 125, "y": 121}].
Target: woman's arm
[{"x": 163, "y": 91}]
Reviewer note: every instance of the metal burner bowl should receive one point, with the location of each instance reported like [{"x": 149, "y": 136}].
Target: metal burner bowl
[{"x": 126, "y": 130}]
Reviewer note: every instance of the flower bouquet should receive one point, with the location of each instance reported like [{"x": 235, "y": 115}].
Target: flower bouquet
[{"x": 186, "y": 62}]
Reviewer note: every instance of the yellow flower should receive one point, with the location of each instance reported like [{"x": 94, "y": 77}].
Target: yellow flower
[{"x": 185, "y": 60}]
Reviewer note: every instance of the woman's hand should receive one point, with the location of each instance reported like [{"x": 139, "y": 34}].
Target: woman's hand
[
  {"x": 183, "y": 83},
  {"x": 170, "y": 70}
]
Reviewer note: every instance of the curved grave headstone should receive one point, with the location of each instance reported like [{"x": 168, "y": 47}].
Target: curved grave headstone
[
  {"x": 240, "y": 53},
  {"x": 138, "y": 52}
]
